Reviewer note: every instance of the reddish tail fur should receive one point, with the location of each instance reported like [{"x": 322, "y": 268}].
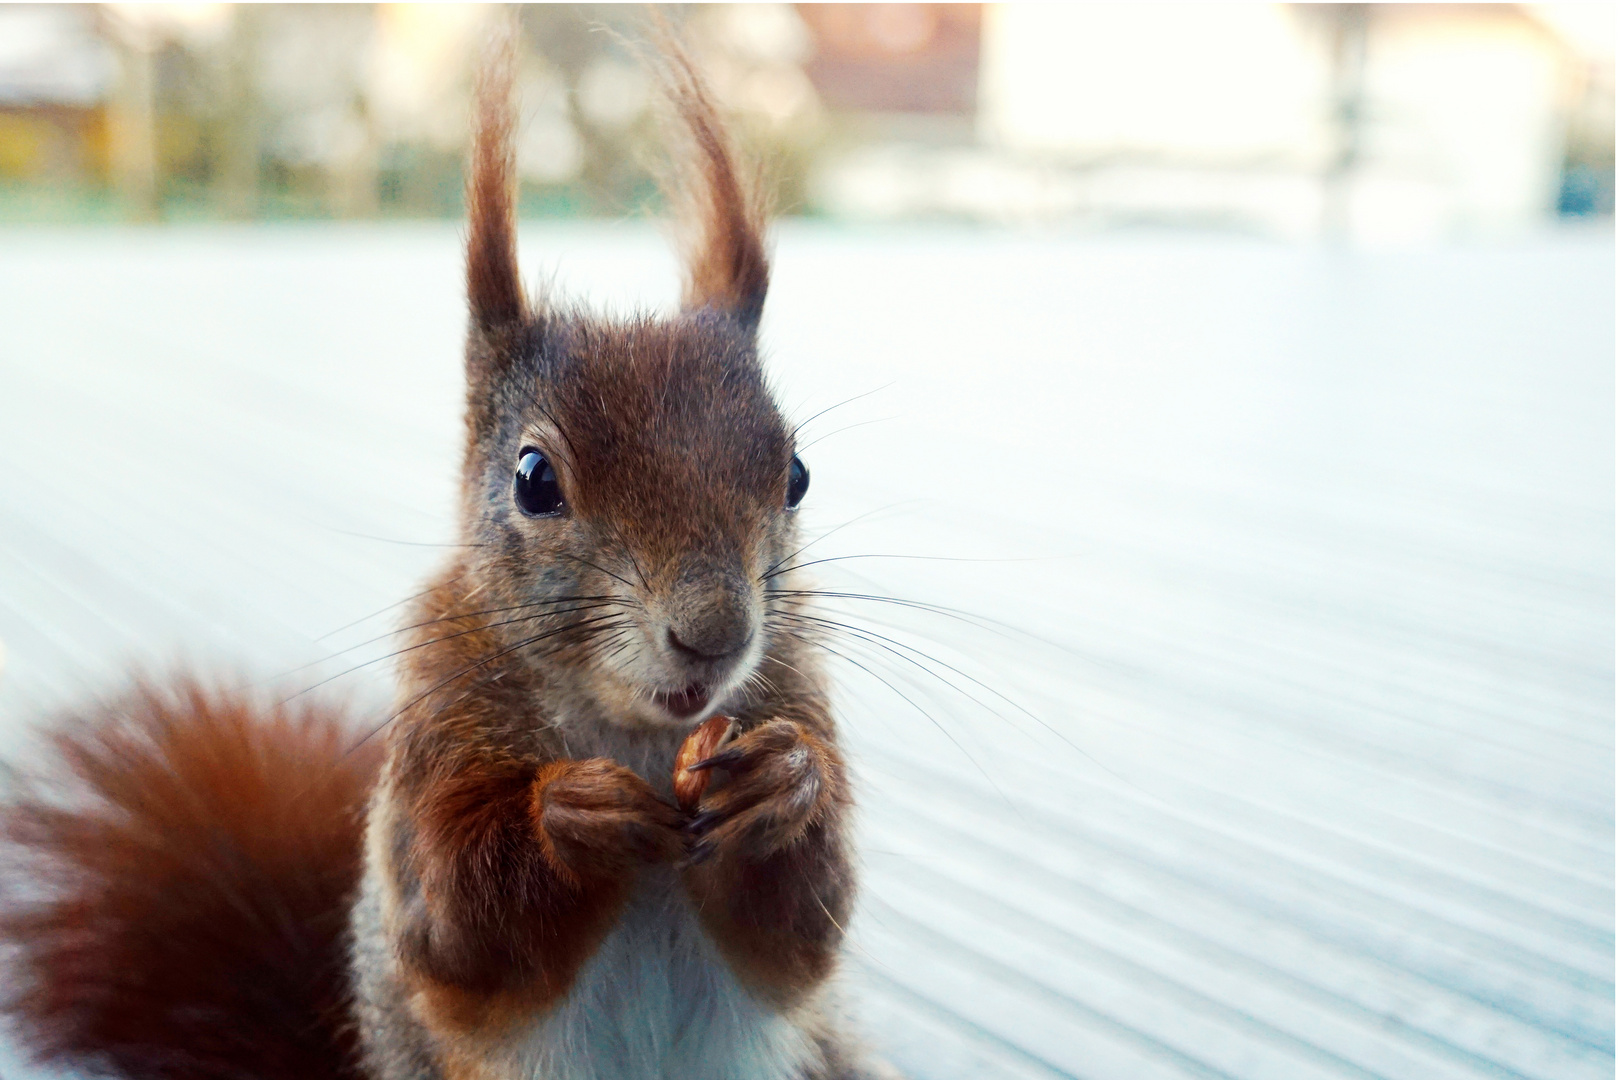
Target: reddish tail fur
[{"x": 180, "y": 906}]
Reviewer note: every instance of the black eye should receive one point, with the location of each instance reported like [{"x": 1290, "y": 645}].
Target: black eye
[
  {"x": 535, "y": 488},
  {"x": 798, "y": 483}
]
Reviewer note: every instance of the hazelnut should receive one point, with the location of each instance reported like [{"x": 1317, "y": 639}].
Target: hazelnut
[{"x": 701, "y": 744}]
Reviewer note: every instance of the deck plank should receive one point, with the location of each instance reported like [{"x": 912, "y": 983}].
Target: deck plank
[{"x": 1271, "y": 729}]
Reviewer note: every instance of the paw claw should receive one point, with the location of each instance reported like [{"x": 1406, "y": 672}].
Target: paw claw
[
  {"x": 703, "y": 822},
  {"x": 726, "y": 759},
  {"x": 779, "y": 780}
]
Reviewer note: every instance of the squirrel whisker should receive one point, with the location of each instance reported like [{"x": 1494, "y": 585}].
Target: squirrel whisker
[
  {"x": 865, "y": 394},
  {"x": 598, "y": 569},
  {"x": 439, "y": 641},
  {"x": 903, "y": 696},
  {"x": 397, "y": 713},
  {"x": 386, "y": 610},
  {"x": 451, "y": 617}
]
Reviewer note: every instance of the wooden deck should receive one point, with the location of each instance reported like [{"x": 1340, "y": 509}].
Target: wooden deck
[{"x": 1277, "y": 737}]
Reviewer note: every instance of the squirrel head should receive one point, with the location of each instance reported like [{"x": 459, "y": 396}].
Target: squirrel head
[{"x": 635, "y": 475}]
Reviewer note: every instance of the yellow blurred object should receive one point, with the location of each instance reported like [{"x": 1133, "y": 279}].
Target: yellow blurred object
[{"x": 23, "y": 138}]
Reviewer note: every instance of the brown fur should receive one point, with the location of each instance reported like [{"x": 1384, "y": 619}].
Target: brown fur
[
  {"x": 525, "y": 795},
  {"x": 777, "y": 897},
  {"x": 673, "y": 459},
  {"x": 491, "y": 965},
  {"x": 494, "y": 289},
  {"x": 721, "y": 208},
  {"x": 197, "y": 856}
]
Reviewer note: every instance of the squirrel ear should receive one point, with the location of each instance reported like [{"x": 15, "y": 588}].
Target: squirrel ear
[
  {"x": 494, "y": 287},
  {"x": 720, "y": 209}
]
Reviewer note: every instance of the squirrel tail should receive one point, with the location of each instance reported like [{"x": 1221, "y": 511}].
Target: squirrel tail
[{"x": 176, "y": 888}]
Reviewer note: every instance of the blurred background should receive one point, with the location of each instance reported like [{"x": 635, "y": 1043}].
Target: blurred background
[
  {"x": 1211, "y": 415},
  {"x": 1295, "y": 120}
]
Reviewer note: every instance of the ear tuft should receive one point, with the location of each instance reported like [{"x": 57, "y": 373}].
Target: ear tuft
[
  {"x": 720, "y": 208},
  {"x": 494, "y": 286}
]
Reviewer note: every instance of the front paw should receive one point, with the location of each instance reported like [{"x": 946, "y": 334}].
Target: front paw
[
  {"x": 596, "y": 818},
  {"x": 782, "y": 781}
]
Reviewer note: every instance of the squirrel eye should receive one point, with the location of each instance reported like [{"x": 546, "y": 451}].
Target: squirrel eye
[
  {"x": 535, "y": 489},
  {"x": 798, "y": 483}
]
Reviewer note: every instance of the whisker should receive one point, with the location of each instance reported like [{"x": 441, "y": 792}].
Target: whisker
[
  {"x": 445, "y": 682},
  {"x": 629, "y": 553},
  {"x": 450, "y": 617},
  {"x": 805, "y": 422},
  {"x": 790, "y": 667},
  {"x": 586, "y": 632},
  {"x": 916, "y": 558},
  {"x": 389, "y": 539},
  {"x": 390, "y": 607},
  {"x": 983, "y": 622},
  {"x": 439, "y": 641},
  {"x": 599, "y": 569},
  {"x": 895, "y": 646},
  {"x": 907, "y": 699},
  {"x": 899, "y": 649},
  {"x": 561, "y": 431},
  {"x": 626, "y": 641},
  {"x": 756, "y": 680},
  {"x": 857, "y": 518},
  {"x": 840, "y": 431}
]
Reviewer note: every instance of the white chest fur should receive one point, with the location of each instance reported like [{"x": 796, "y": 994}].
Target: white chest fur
[{"x": 657, "y": 1002}]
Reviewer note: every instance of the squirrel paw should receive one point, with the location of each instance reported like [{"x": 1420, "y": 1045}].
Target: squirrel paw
[
  {"x": 782, "y": 779},
  {"x": 596, "y": 818}
]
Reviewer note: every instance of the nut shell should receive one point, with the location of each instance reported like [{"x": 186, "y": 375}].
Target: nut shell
[{"x": 702, "y": 743}]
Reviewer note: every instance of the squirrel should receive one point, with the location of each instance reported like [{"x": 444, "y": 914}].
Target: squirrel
[{"x": 503, "y": 884}]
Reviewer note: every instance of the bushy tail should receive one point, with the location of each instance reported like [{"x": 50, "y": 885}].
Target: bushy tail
[{"x": 177, "y": 885}]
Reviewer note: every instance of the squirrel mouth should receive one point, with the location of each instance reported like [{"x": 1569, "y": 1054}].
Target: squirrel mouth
[{"x": 685, "y": 702}]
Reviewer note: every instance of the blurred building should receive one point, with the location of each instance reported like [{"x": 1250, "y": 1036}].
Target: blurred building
[
  {"x": 887, "y": 59},
  {"x": 1381, "y": 122},
  {"x": 1372, "y": 122},
  {"x": 56, "y": 77}
]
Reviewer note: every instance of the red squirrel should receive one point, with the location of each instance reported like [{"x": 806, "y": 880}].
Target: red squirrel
[{"x": 502, "y": 883}]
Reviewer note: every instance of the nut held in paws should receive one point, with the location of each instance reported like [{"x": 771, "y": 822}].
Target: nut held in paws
[{"x": 701, "y": 744}]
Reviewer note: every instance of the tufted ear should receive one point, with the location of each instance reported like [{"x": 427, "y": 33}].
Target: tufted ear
[
  {"x": 720, "y": 208},
  {"x": 494, "y": 288}
]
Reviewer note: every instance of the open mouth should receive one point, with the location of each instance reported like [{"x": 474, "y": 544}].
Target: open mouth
[{"x": 685, "y": 702}]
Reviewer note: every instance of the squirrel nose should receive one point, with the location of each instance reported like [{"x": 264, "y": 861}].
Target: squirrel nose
[
  {"x": 718, "y": 629},
  {"x": 711, "y": 613},
  {"x": 726, "y": 647}
]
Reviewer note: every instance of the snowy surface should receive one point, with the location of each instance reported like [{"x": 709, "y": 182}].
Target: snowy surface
[{"x": 1276, "y": 738}]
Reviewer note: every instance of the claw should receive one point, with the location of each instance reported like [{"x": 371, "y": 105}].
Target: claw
[
  {"x": 775, "y": 792},
  {"x": 726, "y": 759},
  {"x": 700, "y": 852},
  {"x": 702, "y": 822}
]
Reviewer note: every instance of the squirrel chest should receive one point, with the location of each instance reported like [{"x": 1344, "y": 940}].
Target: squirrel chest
[{"x": 657, "y": 1000}]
